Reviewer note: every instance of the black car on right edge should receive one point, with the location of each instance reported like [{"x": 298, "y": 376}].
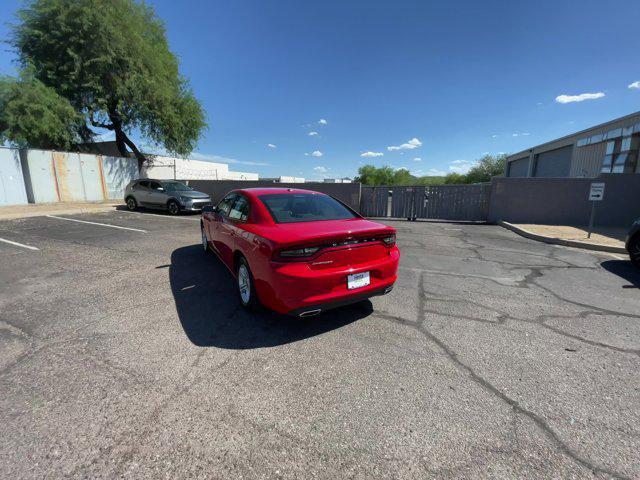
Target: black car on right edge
[{"x": 633, "y": 243}]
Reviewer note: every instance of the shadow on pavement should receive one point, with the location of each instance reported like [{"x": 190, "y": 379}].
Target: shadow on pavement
[
  {"x": 624, "y": 269},
  {"x": 211, "y": 314},
  {"x": 160, "y": 211}
]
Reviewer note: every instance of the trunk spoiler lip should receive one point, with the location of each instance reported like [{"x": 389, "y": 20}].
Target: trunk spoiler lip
[{"x": 333, "y": 242}]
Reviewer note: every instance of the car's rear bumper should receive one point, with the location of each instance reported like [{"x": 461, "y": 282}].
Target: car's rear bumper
[
  {"x": 311, "y": 310},
  {"x": 294, "y": 288}
]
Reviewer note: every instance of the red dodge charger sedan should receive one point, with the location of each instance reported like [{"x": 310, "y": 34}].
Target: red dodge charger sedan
[{"x": 299, "y": 252}]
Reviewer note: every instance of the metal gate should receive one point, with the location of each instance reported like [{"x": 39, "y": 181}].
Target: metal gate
[{"x": 443, "y": 202}]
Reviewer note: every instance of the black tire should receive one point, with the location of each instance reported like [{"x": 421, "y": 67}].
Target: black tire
[
  {"x": 250, "y": 302},
  {"x": 173, "y": 208},
  {"x": 131, "y": 204},
  {"x": 634, "y": 250}
]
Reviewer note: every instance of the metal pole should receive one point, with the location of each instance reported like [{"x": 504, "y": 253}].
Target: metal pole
[{"x": 593, "y": 214}]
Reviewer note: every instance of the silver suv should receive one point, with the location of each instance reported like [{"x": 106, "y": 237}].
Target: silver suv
[{"x": 168, "y": 195}]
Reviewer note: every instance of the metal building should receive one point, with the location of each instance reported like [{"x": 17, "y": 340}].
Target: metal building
[{"x": 610, "y": 147}]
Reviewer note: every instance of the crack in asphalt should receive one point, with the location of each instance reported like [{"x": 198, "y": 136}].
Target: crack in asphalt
[{"x": 419, "y": 325}]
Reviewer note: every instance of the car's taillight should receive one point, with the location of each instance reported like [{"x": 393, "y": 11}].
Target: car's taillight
[
  {"x": 389, "y": 240},
  {"x": 298, "y": 252}
]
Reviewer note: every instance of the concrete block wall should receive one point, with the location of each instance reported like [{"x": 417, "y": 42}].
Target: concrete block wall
[{"x": 564, "y": 201}]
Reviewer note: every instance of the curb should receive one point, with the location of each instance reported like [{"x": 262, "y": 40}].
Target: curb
[
  {"x": 559, "y": 241},
  {"x": 68, "y": 211}
]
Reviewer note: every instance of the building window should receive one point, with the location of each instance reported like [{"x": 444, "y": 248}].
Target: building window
[{"x": 621, "y": 155}]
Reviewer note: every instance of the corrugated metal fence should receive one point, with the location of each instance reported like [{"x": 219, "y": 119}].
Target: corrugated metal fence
[
  {"x": 43, "y": 176},
  {"x": 443, "y": 202}
]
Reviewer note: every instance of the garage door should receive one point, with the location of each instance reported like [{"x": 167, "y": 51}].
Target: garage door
[
  {"x": 555, "y": 163},
  {"x": 519, "y": 167}
]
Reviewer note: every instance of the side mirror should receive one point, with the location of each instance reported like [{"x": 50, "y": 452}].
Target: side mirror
[{"x": 208, "y": 209}]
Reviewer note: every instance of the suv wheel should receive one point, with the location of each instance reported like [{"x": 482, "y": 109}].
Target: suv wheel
[
  {"x": 132, "y": 204},
  {"x": 634, "y": 250},
  {"x": 173, "y": 207}
]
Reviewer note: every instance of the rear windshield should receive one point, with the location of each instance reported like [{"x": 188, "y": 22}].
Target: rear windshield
[{"x": 304, "y": 207}]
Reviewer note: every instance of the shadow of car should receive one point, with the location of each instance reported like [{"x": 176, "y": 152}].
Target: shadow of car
[
  {"x": 155, "y": 211},
  {"x": 625, "y": 270},
  {"x": 211, "y": 315}
]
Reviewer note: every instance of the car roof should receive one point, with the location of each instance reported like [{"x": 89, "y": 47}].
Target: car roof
[{"x": 275, "y": 190}]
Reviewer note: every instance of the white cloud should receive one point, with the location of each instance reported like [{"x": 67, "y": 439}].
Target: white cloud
[
  {"x": 313, "y": 134},
  {"x": 320, "y": 169},
  {"x": 417, "y": 159},
  {"x": 322, "y": 121},
  {"x": 635, "y": 85},
  {"x": 316, "y": 153},
  {"x": 435, "y": 172},
  {"x": 579, "y": 98},
  {"x": 371, "y": 154},
  {"x": 410, "y": 145},
  {"x": 524, "y": 134},
  {"x": 271, "y": 145},
  {"x": 495, "y": 135}
]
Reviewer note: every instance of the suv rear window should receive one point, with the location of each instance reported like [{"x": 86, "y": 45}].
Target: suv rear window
[{"x": 304, "y": 207}]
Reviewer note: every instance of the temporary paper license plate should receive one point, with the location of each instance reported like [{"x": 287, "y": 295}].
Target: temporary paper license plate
[{"x": 358, "y": 280}]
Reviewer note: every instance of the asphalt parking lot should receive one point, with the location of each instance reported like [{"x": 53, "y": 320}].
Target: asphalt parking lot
[{"x": 124, "y": 353}]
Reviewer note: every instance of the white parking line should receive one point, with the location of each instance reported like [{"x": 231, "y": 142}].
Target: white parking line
[
  {"x": 96, "y": 223},
  {"x": 28, "y": 247},
  {"x": 196, "y": 219}
]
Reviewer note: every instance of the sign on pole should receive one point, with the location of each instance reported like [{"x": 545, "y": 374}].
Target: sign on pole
[{"x": 596, "y": 194}]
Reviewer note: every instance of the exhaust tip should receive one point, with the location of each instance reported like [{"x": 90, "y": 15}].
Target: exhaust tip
[{"x": 310, "y": 313}]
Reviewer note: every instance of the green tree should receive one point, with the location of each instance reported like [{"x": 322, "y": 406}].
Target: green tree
[
  {"x": 454, "y": 178},
  {"x": 33, "y": 114},
  {"x": 111, "y": 61},
  {"x": 371, "y": 175},
  {"x": 403, "y": 177},
  {"x": 487, "y": 167}
]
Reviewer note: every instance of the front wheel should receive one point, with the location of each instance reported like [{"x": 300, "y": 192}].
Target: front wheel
[
  {"x": 634, "y": 250},
  {"x": 246, "y": 289},
  {"x": 173, "y": 208},
  {"x": 132, "y": 204}
]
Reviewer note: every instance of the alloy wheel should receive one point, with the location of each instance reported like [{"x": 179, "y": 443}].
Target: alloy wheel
[
  {"x": 205, "y": 244},
  {"x": 173, "y": 208},
  {"x": 244, "y": 284}
]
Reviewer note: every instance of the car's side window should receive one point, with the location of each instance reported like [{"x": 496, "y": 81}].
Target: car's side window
[
  {"x": 142, "y": 184},
  {"x": 240, "y": 209},
  {"x": 225, "y": 204},
  {"x": 155, "y": 186}
]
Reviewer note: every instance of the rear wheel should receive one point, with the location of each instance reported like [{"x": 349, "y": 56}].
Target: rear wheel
[
  {"x": 205, "y": 242},
  {"x": 132, "y": 204},
  {"x": 246, "y": 289},
  {"x": 634, "y": 250},
  {"x": 173, "y": 208}
]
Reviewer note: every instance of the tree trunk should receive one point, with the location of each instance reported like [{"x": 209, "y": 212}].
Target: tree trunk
[{"x": 123, "y": 141}]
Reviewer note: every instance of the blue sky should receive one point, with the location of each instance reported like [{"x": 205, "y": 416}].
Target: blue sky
[{"x": 444, "y": 81}]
